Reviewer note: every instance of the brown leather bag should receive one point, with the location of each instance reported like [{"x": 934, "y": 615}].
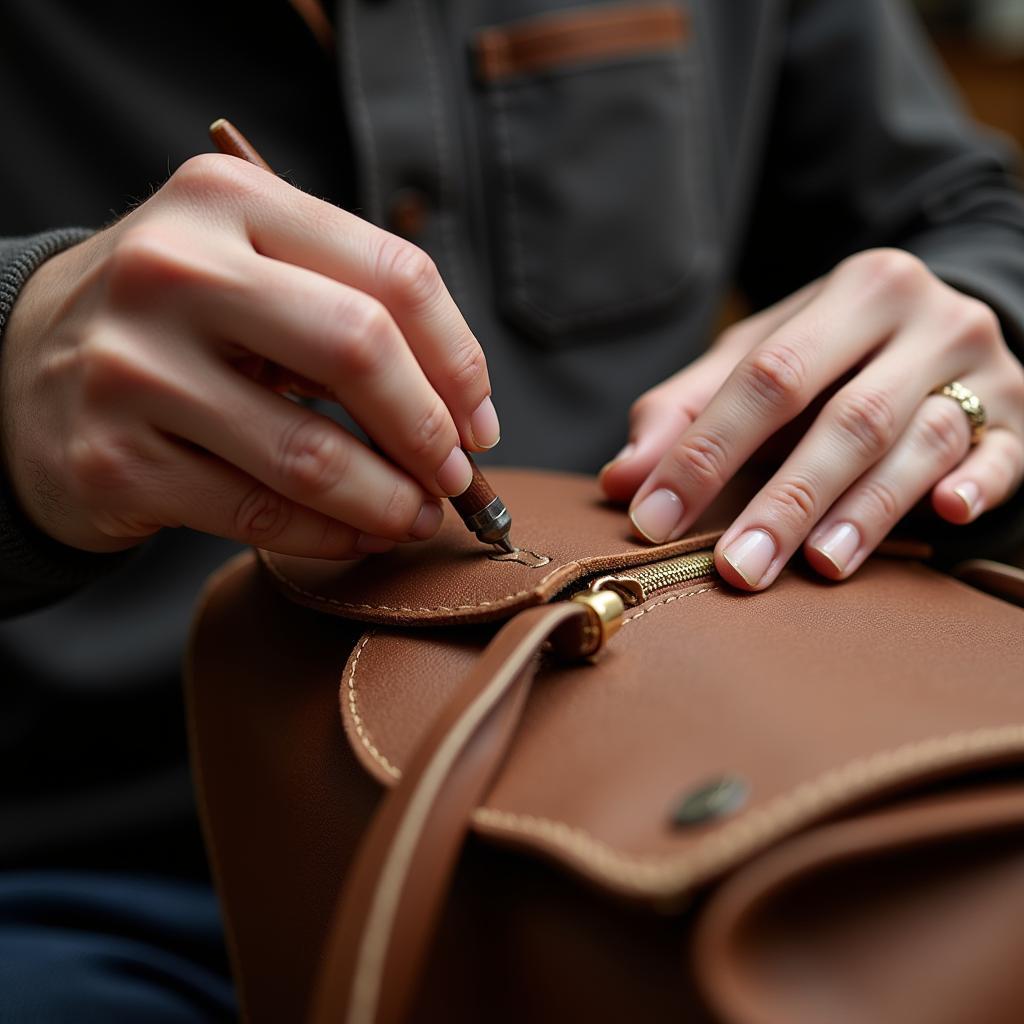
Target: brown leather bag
[{"x": 795, "y": 806}]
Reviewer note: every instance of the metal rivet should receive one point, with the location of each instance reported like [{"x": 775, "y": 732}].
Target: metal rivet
[{"x": 712, "y": 799}]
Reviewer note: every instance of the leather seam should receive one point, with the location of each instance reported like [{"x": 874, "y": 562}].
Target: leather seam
[
  {"x": 323, "y": 599},
  {"x": 357, "y": 721},
  {"x": 671, "y": 875},
  {"x": 667, "y": 600}
]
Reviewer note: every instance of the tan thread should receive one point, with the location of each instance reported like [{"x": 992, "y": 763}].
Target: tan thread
[
  {"x": 666, "y": 600},
  {"x": 322, "y": 599},
  {"x": 672, "y": 875},
  {"x": 364, "y": 736}
]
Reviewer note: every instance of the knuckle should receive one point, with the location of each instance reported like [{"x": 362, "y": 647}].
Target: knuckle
[
  {"x": 141, "y": 255},
  {"x": 867, "y": 419},
  {"x": 398, "y": 514},
  {"x": 99, "y": 466},
  {"x": 433, "y": 430},
  {"x": 336, "y": 540},
  {"x": 647, "y": 406},
  {"x": 213, "y": 176},
  {"x": 793, "y": 502},
  {"x": 310, "y": 458},
  {"x": 408, "y": 272},
  {"x": 261, "y": 516},
  {"x": 894, "y": 272},
  {"x": 882, "y": 504},
  {"x": 974, "y": 325},
  {"x": 942, "y": 430},
  {"x": 777, "y": 375},
  {"x": 699, "y": 458},
  {"x": 366, "y": 347},
  {"x": 467, "y": 367},
  {"x": 108, "y": 368}
]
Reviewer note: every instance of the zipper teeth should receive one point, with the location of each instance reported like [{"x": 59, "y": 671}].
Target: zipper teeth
[
  {"x": 676, "y": 570},
  {"x": 638, "y": 584}
]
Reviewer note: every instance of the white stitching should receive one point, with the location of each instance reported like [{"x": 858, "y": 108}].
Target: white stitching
[
  {"x": 323, "y": 599},
  {"x": 674, "y": 874},
  {"x": 361, "y": 732},
  {"x": 666, "y": 600}
]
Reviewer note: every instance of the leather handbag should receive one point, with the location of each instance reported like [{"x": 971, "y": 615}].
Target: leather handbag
[{"x": 591, "y": 781}]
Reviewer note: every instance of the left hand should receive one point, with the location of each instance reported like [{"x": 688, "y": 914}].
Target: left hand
[{"x": 877, "y": 446}]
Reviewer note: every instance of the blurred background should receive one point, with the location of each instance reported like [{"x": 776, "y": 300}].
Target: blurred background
[{"x": 982, "y": 42}]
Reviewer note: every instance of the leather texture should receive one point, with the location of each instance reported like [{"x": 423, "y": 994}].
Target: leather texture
[
  {"x": 878, "y": 726},
  {"x": 393, "y": 895},
  {"x": 452, "y": 578}
]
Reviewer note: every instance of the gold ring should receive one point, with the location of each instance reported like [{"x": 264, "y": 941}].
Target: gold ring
[{"x": 971, "y": 405}]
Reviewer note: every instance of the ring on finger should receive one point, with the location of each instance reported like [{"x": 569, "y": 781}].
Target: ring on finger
[{"x": 971, "y": 405}]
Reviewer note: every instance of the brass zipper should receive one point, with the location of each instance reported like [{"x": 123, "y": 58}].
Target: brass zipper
[
  {"x": 608, "y": 597},
  {"x": 635, "y": 586}
]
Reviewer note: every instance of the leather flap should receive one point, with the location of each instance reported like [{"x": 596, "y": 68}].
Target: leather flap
[
  {"x": 565, "y": 530},
  {"x": 810, "y": 698}
]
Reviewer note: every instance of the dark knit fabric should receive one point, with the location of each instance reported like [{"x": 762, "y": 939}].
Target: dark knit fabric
[{"x": 35, "y": 569}]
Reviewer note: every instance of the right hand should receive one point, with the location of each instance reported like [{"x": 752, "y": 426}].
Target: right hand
[{"x": 127, "y": 407}]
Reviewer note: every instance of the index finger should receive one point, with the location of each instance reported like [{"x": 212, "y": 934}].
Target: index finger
[
  {"x": 286, "y": 224},
  {"x": 775, "y": 382}
]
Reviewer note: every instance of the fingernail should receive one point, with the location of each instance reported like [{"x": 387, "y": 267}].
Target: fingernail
[
  {"x": 626, "y": 453},
  {"x": 368, "y": 544},
  {"x": 428, "y": 522},
  {"x": 968, "y": 493},
  {"x": 839, "y": 545},
  {"x": 750, "y": 555},
  {"x": 658, "y": 516},
  {"x": 456, "y": 474},
  {"x": 484, "y": 425}
]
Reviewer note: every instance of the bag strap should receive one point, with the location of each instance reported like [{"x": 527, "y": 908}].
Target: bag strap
[{"x": 396, "y": 887}]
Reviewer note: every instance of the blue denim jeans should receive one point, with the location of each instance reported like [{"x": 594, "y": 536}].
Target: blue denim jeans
[{"x": 90, "y": 948}]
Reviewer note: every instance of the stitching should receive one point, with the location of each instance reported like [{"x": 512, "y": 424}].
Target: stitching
[
  {"x": 584, "y": 316},
  {"x": 322, "y": 599},
  {"x": 353, "y": 698},
  {"x": 442, "y": 150},
  {"x": 355, "y": 80},
  {"x": 747, "y": 833},
  {"x": 666, "y": 600},
  {"x": 364, "y": 736},
  {"x": 517, "y": 261}
]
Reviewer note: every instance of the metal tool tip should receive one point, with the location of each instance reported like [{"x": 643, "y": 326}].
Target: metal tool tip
[{"x": 506, "y": 545}]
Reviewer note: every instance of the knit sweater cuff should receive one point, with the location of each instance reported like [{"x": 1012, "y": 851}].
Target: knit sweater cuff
[{"x": 34, "y": 568}]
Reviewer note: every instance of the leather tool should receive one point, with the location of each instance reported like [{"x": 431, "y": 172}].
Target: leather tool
[{"x": 483, "y": 512}]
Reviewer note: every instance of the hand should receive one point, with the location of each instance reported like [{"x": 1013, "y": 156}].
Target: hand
[
  {"x": 878, "y": 444},
  {"x": 128, "y": 393}
]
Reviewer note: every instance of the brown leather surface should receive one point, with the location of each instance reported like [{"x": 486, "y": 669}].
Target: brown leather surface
[
  {"x": 1005, "y": 581},
  {"x": 451, "y": 578},
  {"x": 396, "y": 888},
  {"x": 282, "y": 800},
  {"x": 910, "y": 915},
  {"x": 583, "y": 35},
  {"x": 817, "y": 695},
  {"x": 821, "y": 697}
]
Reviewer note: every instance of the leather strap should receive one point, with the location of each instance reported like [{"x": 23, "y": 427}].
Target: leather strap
[{"x": 391, "y": 900}]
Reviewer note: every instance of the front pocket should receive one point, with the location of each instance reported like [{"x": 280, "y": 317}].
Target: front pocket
[{"x": 598, "y": 161}]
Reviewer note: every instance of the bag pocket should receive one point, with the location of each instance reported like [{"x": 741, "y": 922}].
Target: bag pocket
[{"x": 598, "y": 164}]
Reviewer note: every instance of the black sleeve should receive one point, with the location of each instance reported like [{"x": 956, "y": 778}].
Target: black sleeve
[
  {"x": 870, "y": 147},
  {"x": 34, "y": 569}
]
